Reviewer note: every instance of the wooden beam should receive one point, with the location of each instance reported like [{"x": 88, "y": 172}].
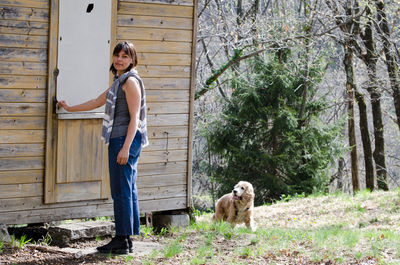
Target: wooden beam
[
  {"x": 191, "y": 108},
  {"x": 51, "y": 128}
]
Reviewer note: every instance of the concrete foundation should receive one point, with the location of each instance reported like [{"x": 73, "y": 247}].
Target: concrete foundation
[
  {"x": 161, "y": 220},
  {"x": 4, "y": 236}
]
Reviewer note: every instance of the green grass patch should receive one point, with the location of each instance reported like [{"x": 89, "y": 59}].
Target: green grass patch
[
  {"x": 338, "y": 228},
  {"x": 175, "y": 247}
]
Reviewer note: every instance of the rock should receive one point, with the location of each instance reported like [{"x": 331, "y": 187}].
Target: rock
[
  {"x": 78, "y": 254},
  {"x": 4, "y": 236},
  {"x": 62, "y": 235}
]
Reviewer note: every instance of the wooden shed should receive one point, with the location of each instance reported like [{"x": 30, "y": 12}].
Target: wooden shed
[{"x": 53, "y": 165}]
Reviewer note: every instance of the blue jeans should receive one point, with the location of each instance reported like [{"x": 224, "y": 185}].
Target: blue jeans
[{"x": 123, "y": 186}]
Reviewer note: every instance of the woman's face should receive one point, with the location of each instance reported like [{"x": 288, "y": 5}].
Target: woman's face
[{"x": 121, "y": 62}]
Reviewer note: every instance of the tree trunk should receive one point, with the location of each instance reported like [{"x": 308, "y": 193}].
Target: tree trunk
[
  {"x": 379, "y": 153},
  {"x": 348, "y": 65},
  {"x": 366, "y": 141},
  {"x": 370, "y": 59},
  {"x": 340, "y": 174},
  {"x": 391, "y": 64}
]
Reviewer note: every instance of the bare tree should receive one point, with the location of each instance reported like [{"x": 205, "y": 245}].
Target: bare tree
[{"x": 389, "y": 50}]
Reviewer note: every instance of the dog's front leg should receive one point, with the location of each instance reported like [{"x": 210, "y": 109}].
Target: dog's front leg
[
  {"x": 250, "y": 224},
  {"x": 232, "y": 216}
]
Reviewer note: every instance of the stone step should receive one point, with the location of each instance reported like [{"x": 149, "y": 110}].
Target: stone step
[{"x": 62, "y": 235}]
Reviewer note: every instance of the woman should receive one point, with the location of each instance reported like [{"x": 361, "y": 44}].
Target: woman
[{"x": 124, "y": 130}]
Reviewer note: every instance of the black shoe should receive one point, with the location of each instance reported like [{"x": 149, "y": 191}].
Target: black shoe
[
  {"x": 116, "y": 246},
  {"x": 130, "y": 244}
]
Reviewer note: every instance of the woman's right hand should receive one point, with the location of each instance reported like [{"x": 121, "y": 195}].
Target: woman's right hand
[{"x": 64, "y": 104}]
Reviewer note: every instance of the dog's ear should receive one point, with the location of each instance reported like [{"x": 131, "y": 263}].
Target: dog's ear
[
  {"x": 248, "y": 196},
  {"x": 249, "y": 193},
  {"x": 250, "y": 188}
]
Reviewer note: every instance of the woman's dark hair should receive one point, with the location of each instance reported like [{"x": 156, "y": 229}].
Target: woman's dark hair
[{"x": 129, "y": 49}]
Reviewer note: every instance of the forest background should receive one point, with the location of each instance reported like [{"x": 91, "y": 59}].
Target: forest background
[{"x": 296, "y": 97}]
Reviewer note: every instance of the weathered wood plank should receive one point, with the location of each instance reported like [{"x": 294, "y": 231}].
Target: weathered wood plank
[
  {"x": 154, "y": 22},
  {"x": 167, "y": 2},
  {"x": 154, "y": 34},
  {"x": 164, "y": 71},
  {"x": 21, "y": 176},
  {"x": 24, "y": 27},
  {"x": 27, "y": 3},
  {"x": 161, "y": 180},
  {"x": 167, "y": 96},
  {"x": 28, "y": 82},
  {"x": 168, "y": 119},
  {"x": 161, "y": 46},
  {"x": 23, "y": 68},
  {"x": 57, "y": 213},
  {"x": 23, "y": 55},
  {"x": 14, "y": 150},
  {"x": 162, "y": 59},
  {"x": 23, "y": 95},
  {"x": 21, "y": 123},
  {"x": 20, "y": 190},
  {"x": 21, "y": 136},
  {"x": 23, "y": 41},
  {"x": 163, "y": 204},
  {"x": 24, "y": 13},
  {"x": 78, "y": 191},
  {"x": 162, "y": 192},
  {"x": 191, "y": 107},
  {"x": 21, "y": 163},
  {"x": 20, "y": 204},
  {"x": 79, "y": 151},
  {"x": 163, "y": 131},
  {"x": 23, "y": 109},
  {"x": 161, "y": 168},
  {"x": 163, "y": 156},
  {"x": 165, "y": 83},
  {"x": 51, "y": 123},
  {"x": 36, "y": 203},
  {"x": 150, "y": 9},
  {"x": 149, "y": 187},
  {"x": 167, "y": 108},
  {"x": 84, "y": 210},
  {"x": 167, "y": 144}
]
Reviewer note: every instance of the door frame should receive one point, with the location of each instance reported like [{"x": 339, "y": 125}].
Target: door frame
[{"x": 51, "y": 117}]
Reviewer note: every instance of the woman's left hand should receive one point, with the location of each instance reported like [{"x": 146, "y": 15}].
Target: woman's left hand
[{"x": 123, "y": 156}]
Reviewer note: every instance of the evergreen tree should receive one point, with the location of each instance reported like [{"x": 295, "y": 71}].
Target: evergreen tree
[{"x": 258, "y": 137}]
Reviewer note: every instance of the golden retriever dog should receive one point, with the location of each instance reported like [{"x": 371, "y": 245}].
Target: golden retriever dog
[{"x": 236, "y": 207}]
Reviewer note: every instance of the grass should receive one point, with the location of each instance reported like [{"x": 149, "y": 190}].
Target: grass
[
  {"x": 45, "y": 240},
  {"x": 19, "y": 243},
  {"x": 334, "y": 228},
  {"x": 338, "y": 228}
]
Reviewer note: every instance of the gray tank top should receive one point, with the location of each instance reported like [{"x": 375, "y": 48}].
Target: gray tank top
[{"x": 121, "y": 115}]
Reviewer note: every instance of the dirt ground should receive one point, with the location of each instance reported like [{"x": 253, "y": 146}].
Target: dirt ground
[
  {"x": 75, "y": 254},
  {"x": 372, "y": 218}
]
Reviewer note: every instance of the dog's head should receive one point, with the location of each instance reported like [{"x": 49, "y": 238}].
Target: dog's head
[{"x": 243, "y": 191}]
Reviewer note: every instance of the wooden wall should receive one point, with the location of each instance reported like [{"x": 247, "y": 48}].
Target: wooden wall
[{"x": 162, "y": 31}]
